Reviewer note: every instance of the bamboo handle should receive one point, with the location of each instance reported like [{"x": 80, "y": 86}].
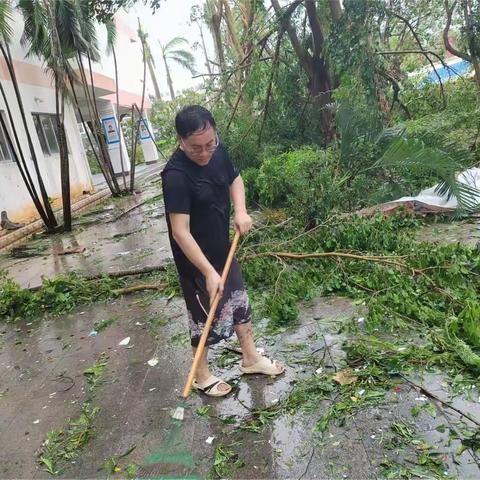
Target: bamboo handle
[{"x": 213, "y": 308}]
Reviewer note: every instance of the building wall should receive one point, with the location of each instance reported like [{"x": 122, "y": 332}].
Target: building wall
[
  {"x": 14, "y": 197},
  {"x": 38, "y": 96}
]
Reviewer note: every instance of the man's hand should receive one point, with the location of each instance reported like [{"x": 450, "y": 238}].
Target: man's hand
[
  {"x": 243, "y": 222},
  {"x": 214, "y": 284}
]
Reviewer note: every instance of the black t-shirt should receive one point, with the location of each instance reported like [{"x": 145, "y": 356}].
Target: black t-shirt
[{"x": 203, "y": 192}]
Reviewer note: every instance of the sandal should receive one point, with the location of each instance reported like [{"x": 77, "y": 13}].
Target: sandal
[
  {"x": 264, "y": 366},
  {"x": 210, "y": 387}
]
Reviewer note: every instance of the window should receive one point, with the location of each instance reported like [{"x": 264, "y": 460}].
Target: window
[
  {"x": 46, "y": 126},
  {"x": 5, "y": 152}
]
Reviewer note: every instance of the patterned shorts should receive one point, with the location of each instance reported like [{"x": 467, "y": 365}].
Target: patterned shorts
[{"x": 233, "y": 309}]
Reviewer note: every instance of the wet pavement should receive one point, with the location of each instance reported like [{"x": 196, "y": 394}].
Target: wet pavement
[
  {"x": 466, "y": 232},
  {"x": 116, "y": 235},
  {"x": 43, "y": 383}
]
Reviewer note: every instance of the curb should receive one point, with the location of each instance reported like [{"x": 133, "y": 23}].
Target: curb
[{"x": 17, "y": 236}]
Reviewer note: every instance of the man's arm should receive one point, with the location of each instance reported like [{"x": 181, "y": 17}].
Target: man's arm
[
  {"x": 242, "y": 219},
  {"x": 180, "y": 223}
]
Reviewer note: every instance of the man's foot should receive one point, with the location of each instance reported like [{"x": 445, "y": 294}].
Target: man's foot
[
  {"x": 264, "y": 366},
  {"x": 213, "y": 387}
]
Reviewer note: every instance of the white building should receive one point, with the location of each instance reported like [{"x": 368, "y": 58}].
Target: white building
[{"x": 38, "y": 95}]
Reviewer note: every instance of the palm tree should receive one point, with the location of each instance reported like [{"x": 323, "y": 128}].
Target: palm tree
[
  {"x": 212, "y": 14},
  {"x": 111, "y": 37},
  {"x": 142, "y": 35},
  {"x": 43, "y": 207},
  {"x": 170, "y": 51},
  {"x": 52, "y": 31},
  {"x": 196, "y": 17},
  {"x": 89, "y": 51},
  {"x": 151, "y": 69}
]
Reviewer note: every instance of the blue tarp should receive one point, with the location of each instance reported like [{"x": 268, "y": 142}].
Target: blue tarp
[{"x": 451, "y": 72}]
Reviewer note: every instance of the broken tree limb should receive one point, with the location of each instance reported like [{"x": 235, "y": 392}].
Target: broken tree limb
[
  {"x": 139, "y": 288},
  {"x": 119, "y": 274},
  {"x": 431, "y": 395},
  {"x": 386, "y": 260},
  {"x": 128, "y": 210},
  {"x": 127, "y": 273}
]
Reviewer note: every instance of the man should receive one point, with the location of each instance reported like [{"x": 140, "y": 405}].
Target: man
[{"x": 198, "y": 182}]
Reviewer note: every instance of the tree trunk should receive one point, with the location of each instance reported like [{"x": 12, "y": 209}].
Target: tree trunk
[
  {"x": 108, "y": 161},
  {"x": 313, "y": 64},
  {"x": 234, "y": 42},
  {"x": 118, "y": 118},
  {"x": 151, "y": 69},
  {"x": 94, "y": 129},
  {"x": 137, "y": 133},
  {"x": 52, "y": 221},
  {"x": 207, "y": 61},
  {"x": 169, "y": 78},
  {"x": 336, "y": 9},
  {"x": 153, "y": 76},
  {"x": 214, "y": 24},
  {"x": 64, "y": 160},
  {"x": 476, "y": 66},
  {"x": 133, "y": 159}
]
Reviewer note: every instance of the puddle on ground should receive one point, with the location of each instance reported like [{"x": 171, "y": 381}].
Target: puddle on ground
[{"x": 466, "y": 233}]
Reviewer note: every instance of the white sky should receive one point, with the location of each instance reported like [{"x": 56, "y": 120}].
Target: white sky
[{"x": 171, "y": 20}]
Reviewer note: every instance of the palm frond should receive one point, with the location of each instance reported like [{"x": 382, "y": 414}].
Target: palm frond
[
  {"x": 111, "y": 34},
  {"x": 36, "y": 32},
  {"x": 88, "y": 28},
  {"x": 414, "y": 154},
  {"x": 356, "y": 125},
  {"x": 173, "y": 43},
  {"x": 6, "y": 19},
  {"x": 184, "y": 63},
  {"x": 187, "y": 56}
]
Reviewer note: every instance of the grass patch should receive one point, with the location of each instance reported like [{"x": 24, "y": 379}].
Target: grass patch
[
  {"x": 104, "y": 324},
  {"x": 226, "y": 462},
  {"x": 63, "y": 446},
  {"x": 64, "y": 293},
  {"x": 57, "y": 296},
  {"x": 94, "y": 373}
]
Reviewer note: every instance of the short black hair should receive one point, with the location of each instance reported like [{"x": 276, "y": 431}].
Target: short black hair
[{"x": 192, "y": 118}]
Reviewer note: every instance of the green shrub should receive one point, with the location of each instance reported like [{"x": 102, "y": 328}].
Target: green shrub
[{"x": 305, "y": 181}]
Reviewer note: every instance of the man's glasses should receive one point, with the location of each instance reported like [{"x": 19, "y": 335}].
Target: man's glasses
[{"x": 196, "y": 150}]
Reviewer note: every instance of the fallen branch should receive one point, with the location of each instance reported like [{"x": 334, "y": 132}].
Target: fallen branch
[
  {"x": 128, "y": 210},
  {"x": 387, "y": 260},
  {"x": 431, "y": 395},
  {"x": 127, "y": 273},
  {"x": 138, "y": 288},
  {"x": 119, "y": 274}
]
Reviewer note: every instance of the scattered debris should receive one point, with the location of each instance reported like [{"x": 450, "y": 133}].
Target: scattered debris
[
  {"x": 210, "y": 440},
  {"x": 124, "y": 342},
  {"x": 93, "y": 333},
  {"x": 153, "y": 361},
  {"x": 178, "y": 413},
  {"x": 345, "y": 377},
  {"x": 70, "y": 251}
]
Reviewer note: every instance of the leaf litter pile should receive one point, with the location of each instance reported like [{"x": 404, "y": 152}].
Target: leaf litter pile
[
  {"x": 421, "y": 316},
  {"x": 421, "y": 313}
]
